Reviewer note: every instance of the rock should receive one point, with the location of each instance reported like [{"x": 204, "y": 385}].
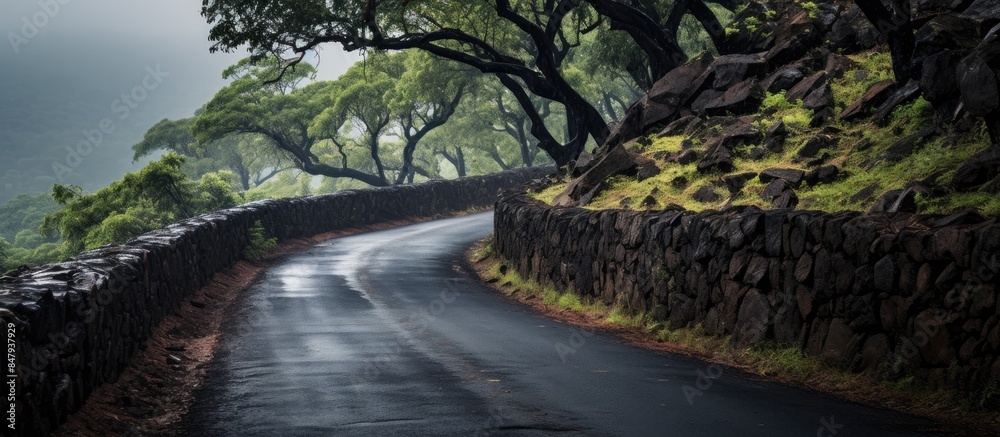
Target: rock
[
  {"x": 732, "y": 69},
  {"x": 775, "y": 188},
  {"x": 197, "y": 304},
  {"x": 647, "y": 168},
  {"x": 837, "y": 65},
  {"x": 685, "y": 157},
  {"x": 852, "y": 32},
  {"x": 906, "y": 202},
  {"x": 782, "y": 80},
  {"x": 903, "y": 200},
  {"x": 679, "y": 182},
  {"x": 787, "y": 199},
  {"x": 978, "y": 84},
  {"x": 706, "y": 194},
  {"x": 805, "y": 87},
  {"x": 625, "y": 202},
  {"x": 943, "y": 33},
  {"x": 678, "y": 86},
  {"x": 680, "y": 126},
  {"x": 790, "y": 175},
  {"x": 903, "y": 95},
  {"x": 774, "y": 140},
  {"x": 822, "y": 175},
  {"x": 821, "y": 98},
  {"x": 937, "y": 77},
  {"x": 977, "y": 170},
  {"x": 815, "y": 144},
  {"x": 615, "y": 161},
  {"x": 792, "y": 39},
  {"x": 736, "y": 182},
  {"x": 906, "y": 146},
  {"x": 173, "y": 360},
  {"x": 738, "y": 132},
  {"x": 984, "y": 13},
  {"x": 742, "y": 98},
  {"x": 874, "y": 96},
  {"x": 718, "y": 158},
  {"x": 648, "y": 202}
]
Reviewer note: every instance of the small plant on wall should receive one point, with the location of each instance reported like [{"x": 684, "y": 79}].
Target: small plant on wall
[{"x": 258, "y": 243}]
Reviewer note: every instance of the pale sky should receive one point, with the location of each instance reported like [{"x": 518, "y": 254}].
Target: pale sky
[{"x": 68, "y": 69}]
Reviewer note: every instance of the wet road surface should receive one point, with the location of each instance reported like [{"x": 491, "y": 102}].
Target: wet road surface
[{"x": 379, "y": 334}]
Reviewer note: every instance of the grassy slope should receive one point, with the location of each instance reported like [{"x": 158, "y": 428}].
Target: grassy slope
[{"x": 858, "y": 154}]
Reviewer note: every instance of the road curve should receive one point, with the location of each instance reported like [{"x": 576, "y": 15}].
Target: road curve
[{"x": 379, "y": 334}]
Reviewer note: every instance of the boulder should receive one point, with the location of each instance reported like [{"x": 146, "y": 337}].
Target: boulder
[
  {"x": 903, "y": 200},
  {"x": 985, "y": 14},
  {"x": 790, "y": 175},
  {"x": 615, "y": 161},
  {"x": 738, "y": 131},
  {"x": 821, "y": 175},
  {"x": 937, "y": 77},
  {"x": 816, "y": 143},
  {"x": 706, "y": 194},
  {"x": 732, "y": 69},
  {"x": 837, "y": 65},
  {"x": 646, "y": 168},
  {"x": 978, "y": 85},
  {"x": 793, "y": 38},
  {"x": 806, "y": 86},
  {"x": 736, "y": 182},
  {"x": 718, "y": 158},
  {"x": 780, "y": 194},
  {"x": 903, "y": 95},
  {"x": 819, "y": 99},
  {"x": 680, "y": 84},
  {"x": 852, "y": 32},
  {"x": 742, "y": 98},
  {"x": 782, "y": 80},
  {"x": 876, "y": 94},
  {"x": 907, "y": 145},
  {"x": 977, "y": 170},
  {"x": 786, "y": 200},
  {"x": 774, "y": 139},
  {"x": 681, "y": 126}
]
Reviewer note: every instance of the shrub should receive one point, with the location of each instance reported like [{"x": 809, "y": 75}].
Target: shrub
[{"x": 258, "y": 243}]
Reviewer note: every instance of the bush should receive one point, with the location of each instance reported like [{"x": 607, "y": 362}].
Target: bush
[{"x": 258, "y": 243}]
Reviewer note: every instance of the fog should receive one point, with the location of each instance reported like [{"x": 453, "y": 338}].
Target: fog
[{"x": 84, "y": 80}]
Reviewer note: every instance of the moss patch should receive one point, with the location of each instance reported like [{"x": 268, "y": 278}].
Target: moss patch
[{"x": 860, "y": 154}]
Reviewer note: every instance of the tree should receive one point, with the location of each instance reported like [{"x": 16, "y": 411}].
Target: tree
[
  {"x": 525, "y": 48},
  {"x": 149, "y": 199},
  {"x": 279, "y": 112},
  {"x": 245, "y": 155}
]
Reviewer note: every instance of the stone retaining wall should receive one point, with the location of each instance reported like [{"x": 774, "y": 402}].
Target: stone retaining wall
[
  {"x": 76, "y": 324},
  {"x": 900, "y": 294}
]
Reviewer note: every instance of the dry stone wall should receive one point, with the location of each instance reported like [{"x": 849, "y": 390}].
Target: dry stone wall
[
  {"x": 897, "y": 294},
  {"x": 73, "y": 326}
]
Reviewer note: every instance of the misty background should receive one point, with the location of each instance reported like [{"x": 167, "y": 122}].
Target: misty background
[{"x": 66, "y": 78}]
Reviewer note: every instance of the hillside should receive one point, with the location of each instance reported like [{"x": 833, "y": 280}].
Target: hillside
[{"x": 811, "y": 118}]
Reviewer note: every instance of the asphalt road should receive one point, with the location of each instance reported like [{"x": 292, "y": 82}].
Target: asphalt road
[{"x": 379, "y": 334}]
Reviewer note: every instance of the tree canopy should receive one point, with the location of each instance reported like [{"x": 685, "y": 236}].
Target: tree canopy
[{"x": 525, "y": 44}]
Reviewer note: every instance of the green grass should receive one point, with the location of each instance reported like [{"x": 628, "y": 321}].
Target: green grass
[{"x": 784, "y": 361}]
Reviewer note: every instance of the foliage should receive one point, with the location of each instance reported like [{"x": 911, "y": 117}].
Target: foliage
[
  {"x": 23, "y": 212},
  {"x": 528, "y": 46},
  {"x": 158, "y": 194},
  {"x": 258, "y": 243}
]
